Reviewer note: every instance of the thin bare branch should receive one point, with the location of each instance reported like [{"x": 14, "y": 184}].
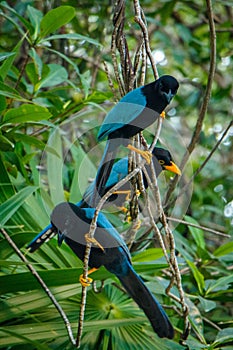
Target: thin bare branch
[
  {"x": 110, "y": 82},
  {"x": 185, "y": 188},
  {"x": 198, "y": 226},
  {"x": 206, "y": 99},
  {"x": 43, "y": 285},
  {"x": 83, "y": 297},
  {"x": 213, "y": 150},
  {"x": 140, "y": 19}
]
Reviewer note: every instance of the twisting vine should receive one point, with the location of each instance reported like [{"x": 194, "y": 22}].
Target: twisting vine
[{"x": 127, "y": 80}]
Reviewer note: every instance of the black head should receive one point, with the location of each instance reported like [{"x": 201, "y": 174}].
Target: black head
[
  {"x": 160, "y": 93},
  {"x": 165, "y": 160},
  {"x": 168, "y": 87}
]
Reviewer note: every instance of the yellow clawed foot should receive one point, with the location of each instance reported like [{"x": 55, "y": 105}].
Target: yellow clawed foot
[
  {"x": 86, "y": 282},
  {"x": 93, "y": 241},
  {"x": 127, "y": 192},
  {"x": 129, "y": 219},
  {"x": 123, "y": 209},
  {"x": 138, "y": 225},
  {"x": 145, "y": 154},
  {"x": 163, "y": 115}
]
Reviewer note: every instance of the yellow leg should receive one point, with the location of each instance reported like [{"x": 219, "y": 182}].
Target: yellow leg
[
  {"x": 93, "y": 241},
  {"x": 129, "y": 219},
  {"x": 127, "y": 192},
  {"x": 138, "y": 225},
  {"x": 86, "y": 282},
  {"x": 163, "y": 115},
  {"x": 124, "y": 209},
  {"x": 145, "y": 154}
]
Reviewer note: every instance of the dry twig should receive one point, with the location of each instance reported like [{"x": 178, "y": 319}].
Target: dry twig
[
  {"x": 205, "y": 101},
  {"x": 43, "y": 285}
]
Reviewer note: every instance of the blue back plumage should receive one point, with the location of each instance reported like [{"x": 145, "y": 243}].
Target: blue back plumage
[
  {"x": 118, "y": 172},
  {"x": 124, "y": 112}
]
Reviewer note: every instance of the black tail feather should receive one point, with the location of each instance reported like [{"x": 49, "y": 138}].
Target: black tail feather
[
  {"x": 148, "y": 303},
  {"x": 44, "y": 236}
]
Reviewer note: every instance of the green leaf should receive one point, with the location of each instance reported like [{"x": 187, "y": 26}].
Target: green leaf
[
  {"x": 221, "y": 284},
  {"x": 30, "y": 140},
  {"x": 198, "y": 276},
  {"x": 26, "y": 113},
  {"x": 8, "y": 62},
  {"x": 3, "y": 104},
  {"x": 8, "y": 208},
  {"x": 5, "y": 144},
  {"x": 49, "y": 330},
  {"x": 21, "y": 18},
  {"x": 5, "y": 55},
  {"x": 224, "y": 249},
  {"x": 55, "y": 166},
  {"x": 167, "y": 10},
  {"x": 35, "y": 17},
  {"x": 56, "y": 75},
  {"x": 13, "y": 96},
  {"x": 82, "y": 161},
  {"x": 32, "y": 73},
  {"x": 26, "y": 281},
  {"x": 197, "y": 234},
  {"x": 6, "y": 88},
  {"x": 20, "y": 338},
  {"x": 148, "y": 255},
  {"x": 37, "y": 61},
  {"x": 206, "y": 304},
  {"x": 67, "y": 59},
  {"x": 73, "y": 36},
  {"x": 6, "y": 188},
  {"x": 193, "y": 344},
  {"x": 195, "y": 319},
  {"x": 55, "y": 19},
  {"x": 224, "y": 336}
]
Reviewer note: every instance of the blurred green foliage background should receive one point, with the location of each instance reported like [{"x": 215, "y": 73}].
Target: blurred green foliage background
[{"x": 54, "y": 94}]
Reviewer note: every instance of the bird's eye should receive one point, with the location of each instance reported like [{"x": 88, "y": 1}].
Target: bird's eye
[
  {"x": 161, "y": 86},
  {"x": 161, "y": 162}
]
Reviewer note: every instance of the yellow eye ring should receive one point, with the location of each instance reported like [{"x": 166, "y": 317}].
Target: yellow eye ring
[{"x": 161, "y": 162}]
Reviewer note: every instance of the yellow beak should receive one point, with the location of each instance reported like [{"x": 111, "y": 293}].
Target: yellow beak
[{"x": 173, "y": 168}]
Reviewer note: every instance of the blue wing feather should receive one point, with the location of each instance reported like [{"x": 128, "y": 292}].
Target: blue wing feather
[
  {"x": 104, "y": 223},
  {"x": 124, "y": 112},
  {"x": 48, "y": 232},
  {"x": 118, "y": 172}
]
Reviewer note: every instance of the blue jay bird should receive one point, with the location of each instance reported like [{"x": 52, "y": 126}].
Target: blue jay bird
[
  {"x": 162, "y": 160},
  {"x": 72, "y": 224},
  {"x": 133, "y": 113}
]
